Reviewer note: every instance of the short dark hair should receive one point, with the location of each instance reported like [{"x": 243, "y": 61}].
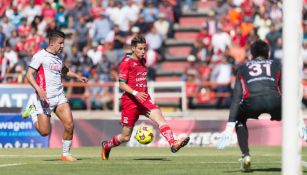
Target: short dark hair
[
  {"x": 55, "y": 34},
  {"x": 137, "y": 40},
  {"x": 260, "y": 49}
]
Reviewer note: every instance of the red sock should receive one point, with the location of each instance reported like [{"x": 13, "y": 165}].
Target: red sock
[
  {"x": 113, "y": 142},
  {"x": 167, "y": 133}
]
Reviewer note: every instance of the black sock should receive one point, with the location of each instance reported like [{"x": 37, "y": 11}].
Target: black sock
[{"x": 242, "y": 135}]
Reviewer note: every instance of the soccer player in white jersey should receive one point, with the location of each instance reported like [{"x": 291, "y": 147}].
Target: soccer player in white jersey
[{"x": 44, "y": 74}]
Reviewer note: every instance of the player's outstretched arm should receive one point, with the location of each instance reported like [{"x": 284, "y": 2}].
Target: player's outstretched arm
[
  {"x": 70, "y": 74},
  {"x": 225, "y": 137},
  {"x": 140, "y": 95}
]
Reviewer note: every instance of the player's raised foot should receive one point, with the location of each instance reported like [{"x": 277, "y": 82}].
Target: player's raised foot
[
  {"x": 104, "y": 151},
  {"x": 28, "y": 111},
  {"x": 68, "y": 158},
  {"x": 245, "y": 164},
  {"x": 179, "y": 144}
]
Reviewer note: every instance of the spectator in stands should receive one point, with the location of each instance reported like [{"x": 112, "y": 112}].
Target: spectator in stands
[
  {"x": 151, "y": 61},
  {"x": 11, "y": 56},
  {"x": 162, "y": 26},
  {"x": 133, "y": 11},
  {"x": 21, "y": 46},
  {"x": 2, "y": 38},
  {"x": 248, "y": 10},
  {"x": 204, "y": 35},
  {"x": 15, "y": 17},
  {"x": 305, "y": 30},
  {"x": 13, "y": 39},
  {"x": 81, "y": 10},
  {"x": 121, "y": 17},
  {"x": 48, "y": 12},
  {"x": 4, "y": 66},
  {"x": 191, "y": 77},
  {"x": 278, "y": 53},
  {"x": 94, "y": 54},
  {"x": 116, "y": 36},
  {"x": 134, "y": 32},
  {"x": 187, "y": 5},
  {"x": 24, "y": 29},
  {"x": 142, "y": 24},
  {"x": 7, "y": 26},
  {"x": 61, "y": 18},
  {"x": 221, "y": 77},
  {"x": 51, "y": 25},
  {"x": 220, "y": 40},
  {"x": 154, "y": 40},
  {"x": 276, "y": 13},
  {"x": 262, "y": 24},
  {"x": 82, "y": 33},
  {"x": 222, "y": 8},
  {"x": 201, "y": 52},
  {"x": 111, "y": 9},
  {"x": 150, "y": 13},
  {"x": 33, "y": 41},
  {"x": 166, "y": 8},
  {"x": 40, "y": 24},
  {"x": 102, "y": 26},
  {"x": 272, "y": 38},
  {"x": 111, "y": 54},
  {"x": 31, "y": 10},
  {"x": 191, "y": 69},
  {"x": 304, "y": 54},
  {"x": 85, "y": 61},
  {"x": 118, "y": 39},
  {"x": 96, "y": 10}
]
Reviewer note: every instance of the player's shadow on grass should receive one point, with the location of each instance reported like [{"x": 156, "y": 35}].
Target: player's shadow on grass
[
  {"x": 151, "y": 158},
  {"x": 258, "y": 170},
  {"x": 54, "y": 160},
  {"x": 261, "y": 170}
]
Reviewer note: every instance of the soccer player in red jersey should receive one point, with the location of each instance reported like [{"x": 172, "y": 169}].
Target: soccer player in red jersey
[{"x": 136, "y": 100}]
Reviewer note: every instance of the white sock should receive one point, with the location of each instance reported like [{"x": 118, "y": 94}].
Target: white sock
[
  {"x": 34, "y": 117},
  {"x": 66, "y": 145}
]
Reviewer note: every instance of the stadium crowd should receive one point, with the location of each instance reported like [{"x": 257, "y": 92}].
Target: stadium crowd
[{"x": 99, "y": 33}]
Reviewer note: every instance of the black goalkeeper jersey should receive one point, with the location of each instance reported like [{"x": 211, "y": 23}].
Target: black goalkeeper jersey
[{"x": 256, "y": 79}]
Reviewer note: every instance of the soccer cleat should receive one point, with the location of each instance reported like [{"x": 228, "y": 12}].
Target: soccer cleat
[
  {"x": 28, "y": 111},
  {"x": 104, "y": 152},
  {"x": 179, "y": 144},
  {"x": 68, "y": 158},
  {"x": 245, "y": 164}
]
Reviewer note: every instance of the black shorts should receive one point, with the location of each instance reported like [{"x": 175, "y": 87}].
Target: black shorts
[{"x": 255, "y": 106}]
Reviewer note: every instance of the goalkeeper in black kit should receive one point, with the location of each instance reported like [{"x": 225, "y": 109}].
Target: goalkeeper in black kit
[{"x": 257, "y": 90}]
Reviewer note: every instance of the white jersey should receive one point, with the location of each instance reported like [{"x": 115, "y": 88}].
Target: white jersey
[{"x": 48, "y": 68}]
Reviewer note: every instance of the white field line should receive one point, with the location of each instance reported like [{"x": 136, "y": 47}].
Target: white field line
[
  {"x": 136, "y": 156},
  {"x": 11, "y": 164},
  {"x": 80, "y": 162}
]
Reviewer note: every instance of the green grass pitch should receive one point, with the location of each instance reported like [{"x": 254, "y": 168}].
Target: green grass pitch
[{"x": 140, "y": 161}]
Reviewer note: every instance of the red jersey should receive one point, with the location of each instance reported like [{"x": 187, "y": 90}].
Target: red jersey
[{"x": 134, "y": 73}]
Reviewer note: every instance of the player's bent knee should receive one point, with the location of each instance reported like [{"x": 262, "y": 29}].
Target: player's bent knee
[
  {"x": 44, "y": 133},
  {"x": 125, "y": 138},
  {"x": 69, "y": 126}
]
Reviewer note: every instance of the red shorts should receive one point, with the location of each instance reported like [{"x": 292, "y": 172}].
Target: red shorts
[{"x": 132, "y": 108}]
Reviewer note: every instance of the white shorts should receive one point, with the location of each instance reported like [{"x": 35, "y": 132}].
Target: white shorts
[{"x": 53, "y": 103}]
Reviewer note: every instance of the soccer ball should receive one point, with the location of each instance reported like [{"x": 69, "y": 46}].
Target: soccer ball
[{"x": 144, "y": 134}]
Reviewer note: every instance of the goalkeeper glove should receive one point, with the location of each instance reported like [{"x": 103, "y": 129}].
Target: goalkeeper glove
[
  {"x": 225, "y": 137},
  {"x": 303, "y": 132}
]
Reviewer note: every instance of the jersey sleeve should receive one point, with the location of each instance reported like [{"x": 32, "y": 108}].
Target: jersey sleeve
[
  {"x": 236, "y": 99},
  {"x": 123, "y": 71},
  {"x": 36, "y": 61}
]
